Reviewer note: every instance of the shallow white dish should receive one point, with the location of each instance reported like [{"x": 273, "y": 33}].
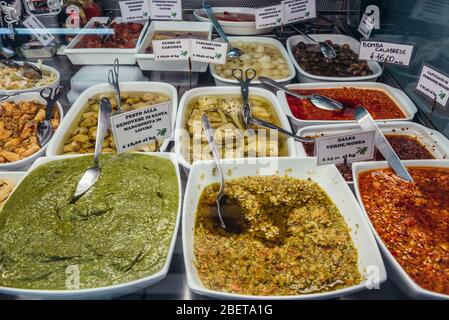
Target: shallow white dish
[
  {"x": 327, "y": 177},
  {"x": 221, "y": 81},
  {"x": 434, "y": 141},
  {"x": 112, "y": 291},
  {"x": 238, "y": 28},
  {"x": 146, "y": 60},
  {"x": 44, "y": 67},
  {"x": 12, "y": 176},
  {"x": 22, "y": 165},
  {"x": 398, "y": 96},
  {"x": 395, "y": 271},
  {"x": 75, "y": 112},
  {"x": 222, "y": 91},
  {"x": 101, "y": 55},
  {"x": 304, "y": 76}
]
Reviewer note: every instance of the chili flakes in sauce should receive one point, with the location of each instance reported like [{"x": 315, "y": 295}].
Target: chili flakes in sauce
[
  {"x": 412, "y": 219},
  {"x": 377, "y": 102}
]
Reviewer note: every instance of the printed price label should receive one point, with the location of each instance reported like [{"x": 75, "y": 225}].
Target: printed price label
[
  {"x": 36, "y": 27},
  {"x": 138, "y": 127},
  {"x": 166, "y": 9},
  {"x": 134, "y": 10},
  {"x": 354, "y": 147},
  {"x": 208, "y": 51},
  {"x": 268, "y": 17},
  {"x": 434, "y": 84},
  {"x": 366, "y": 25},
  {"x": 298, "y": 10},
  {"x": 387, "y": 52},
  {"x": 171, "y": 50}
]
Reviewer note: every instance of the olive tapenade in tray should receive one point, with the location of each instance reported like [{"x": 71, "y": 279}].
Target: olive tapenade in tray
[
  {"x": 406, "y": 147},
  {"x": 346, "y": 64}
]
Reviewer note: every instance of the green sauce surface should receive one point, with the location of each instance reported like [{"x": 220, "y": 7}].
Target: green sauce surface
[{"x": 117, "y": 232}]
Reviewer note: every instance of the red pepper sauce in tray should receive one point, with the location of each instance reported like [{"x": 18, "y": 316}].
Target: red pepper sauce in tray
[
  {"x": 125, "y": 37},
  {"x": 231, "y": 16},
  {"x": 407, "y": 148},
  {"x": 377, "y": 102},
  {"x": 412, "y": 219}
]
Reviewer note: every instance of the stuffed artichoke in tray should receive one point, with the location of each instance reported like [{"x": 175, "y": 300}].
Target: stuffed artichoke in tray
[{"x": 231, "y": 137}]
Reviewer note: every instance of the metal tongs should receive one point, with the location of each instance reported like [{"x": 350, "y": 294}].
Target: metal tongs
[
  {"x": 103, "y": 36},
  {"x": 29, "y": 70},
  {"x": 246, "y": 116},
  {"x": 113, "y": 79},
  {"x": 367, "y": 123},
  {"x": 44, "y": 128}
]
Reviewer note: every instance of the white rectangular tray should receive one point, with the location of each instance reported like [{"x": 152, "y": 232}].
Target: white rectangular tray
[
  {"x": 84, "y": 56},
  {"x": 304, "y": 76},
  {"x": 398, "y": 96},
  {"x": 146, "y": 60}
]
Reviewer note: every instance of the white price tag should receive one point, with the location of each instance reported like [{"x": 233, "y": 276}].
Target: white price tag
[
  {"x": 134, "y": 10},
  {"x": 354, "y": 147},
  {"x": 366, "y": 25},
  {"x": 36, "y": 27},
  {"x": 298, "y": 10},
  {"x": 434, "y": 84},
  {"x": 138, "y": 127},
  {"x": 268, "y": 17},
  {"x": 166, "y": 9},
  {"x": 171, "y": 49},
  {"x": 387, "y": 52},
  {"x": 208, "y": 51}
]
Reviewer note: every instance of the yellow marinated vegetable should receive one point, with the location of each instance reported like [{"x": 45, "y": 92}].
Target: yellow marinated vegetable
[
  {"x": 232, "y": 140},
  {"x": 266, "y": 59},
  {"x": 82, "y": 137}
]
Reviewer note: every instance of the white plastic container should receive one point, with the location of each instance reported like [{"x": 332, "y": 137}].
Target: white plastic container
[
  {"x": 75, "y": 112},
  {"x": 304, "y": 76},
  {"x": 395, "y": 271},
  {"x": 22, "y": 165},
  {"x": 328, "y": 177},
  {"x": 101, "y": 55},
  {"x": 221, "y": 81},
  {"x": 237, "y": 28},
  {"x": 398, "y": 96},
  {"x": 146, "y": 60},
  {"x": 45, "y": 68},
  {"x": 12, "y": 176},
  {"x": 89, "y": 76},
  {"x": 112, "y": 291},
  {"x": 223, "y": 91}
]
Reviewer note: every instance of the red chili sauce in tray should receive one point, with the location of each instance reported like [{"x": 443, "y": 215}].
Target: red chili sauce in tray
[
  {"x": 406, "y": 147},
  {"x": 231, "y": 16},
  {"x": 377, "y": 102},
  {"x": 412, "y": 219}
]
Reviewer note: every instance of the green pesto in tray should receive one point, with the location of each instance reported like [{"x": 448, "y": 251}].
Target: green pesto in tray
[{"x": 117, "y": 232}]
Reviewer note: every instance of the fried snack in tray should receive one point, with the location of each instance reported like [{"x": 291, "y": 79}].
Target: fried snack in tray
[{"x": 18, "y": 129}]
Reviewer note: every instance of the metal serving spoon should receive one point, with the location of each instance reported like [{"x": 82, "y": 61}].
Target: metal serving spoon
[
  {"x": 246, "y": 116},
  {"x": 229, "y": 212},
  {"x": 367, "y": 123},
  {"x": 317, "y": 100},
  {"x": 232, "y": 52},
  {"x": 44, "y": 128},
  {"x": 325, "y": 48},
  {"x": 91, "y": 175}
]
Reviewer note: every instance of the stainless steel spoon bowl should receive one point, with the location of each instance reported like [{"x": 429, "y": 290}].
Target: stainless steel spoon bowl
[
  {"x": 91, "y": 175},
  {"x": 317, "y": 100},
  {"x": 325, "y": 48},
  {"x": 229, "y": 212},
  {"x": 232, "y": 52}
]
